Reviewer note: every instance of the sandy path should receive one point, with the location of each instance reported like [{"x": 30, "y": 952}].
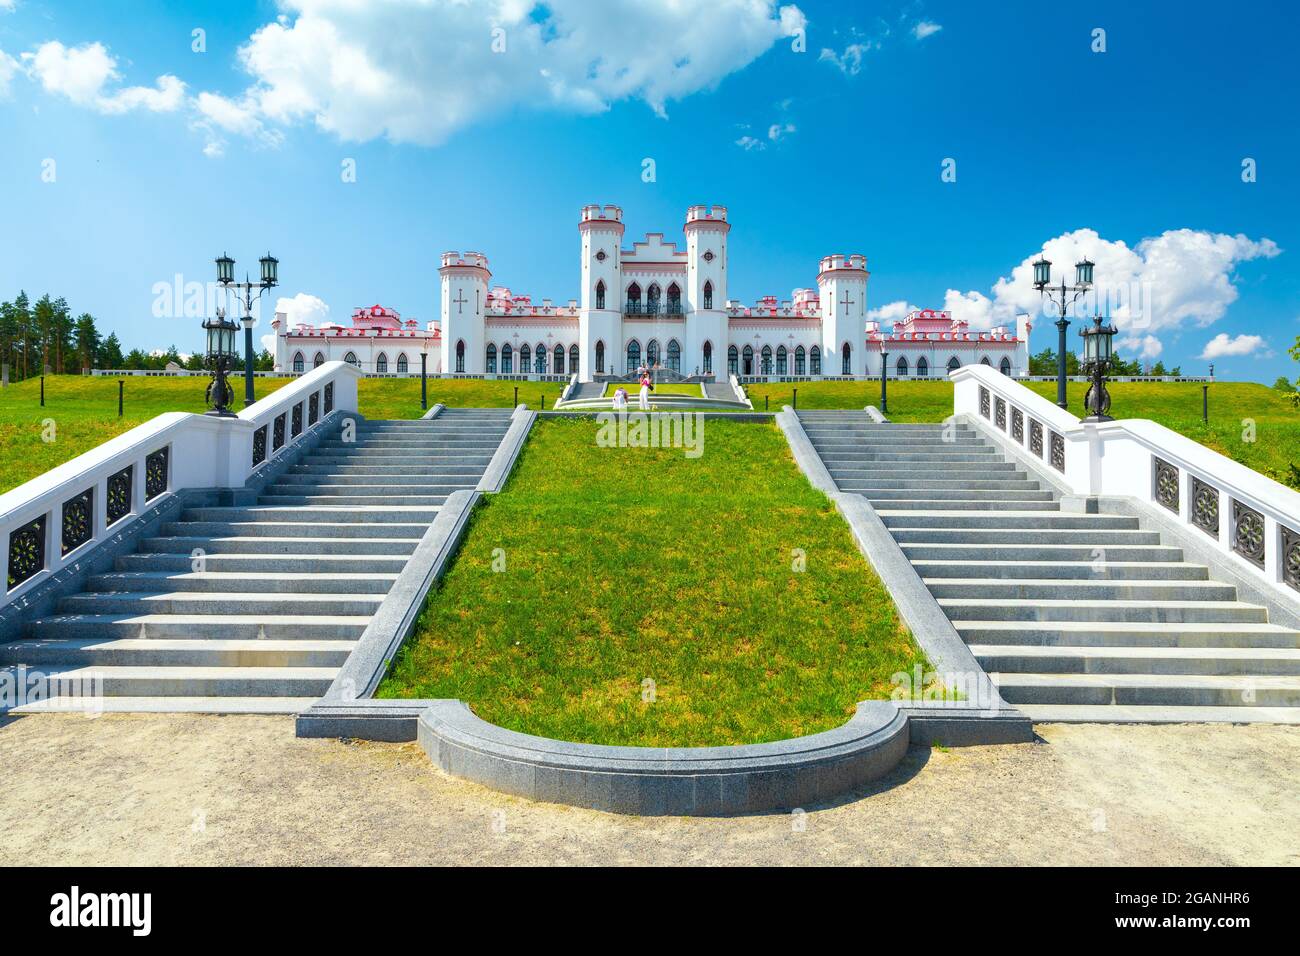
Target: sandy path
[{"x": 180, "y": 789}]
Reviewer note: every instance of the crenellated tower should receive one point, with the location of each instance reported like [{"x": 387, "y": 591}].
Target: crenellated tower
[
  {"x": 842, "y": 289},
  {"x": 465, "y": 281},
  {"x": 706, "y": 286},
  {"x": 600, "y": 315}
]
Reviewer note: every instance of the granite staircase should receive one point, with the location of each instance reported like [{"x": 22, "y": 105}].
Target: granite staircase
[
  {"x": 1076, "y": 617},
  {"x": 253, "y": 609}
]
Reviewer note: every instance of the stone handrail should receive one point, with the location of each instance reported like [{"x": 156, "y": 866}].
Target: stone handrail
[
  {"x": 55, "y": 520},
  {"x": 1253, "y": 520}
]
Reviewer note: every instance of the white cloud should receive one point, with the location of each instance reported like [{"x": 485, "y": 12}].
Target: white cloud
[
  {"x": 1179, "y": 277},
  {"x": 891, "y": 311},
  {"x": 81, "y": 74},
  {"x": 749, "y": 142},
  {"x": 1223, "y": 344},
  {"x": 8, "y": 67},
  {"x": 1146, "y": 346},
  {"x": 354, "y": 71},
  {"x": 8, "y": 4},
  {"x": 215, "y": 115},
  {"x": 303, "y": 309},
  {"x": 777, "y": 130},
  {"x": 850, "y": 61},
  {"x": 925, "y": 28}
]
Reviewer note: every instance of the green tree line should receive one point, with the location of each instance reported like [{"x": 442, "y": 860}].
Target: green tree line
[
  {"x": 1044, "y": 363},
  {"x": 41, "y": 336}
]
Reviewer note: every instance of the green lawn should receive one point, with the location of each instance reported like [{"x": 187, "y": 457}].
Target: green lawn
[
  {"x": 663, "y": 388},
  {"x": 622, "y": 564},
  {"x": 84, "y": 410},
  {"x": 1177, "y": 405}
]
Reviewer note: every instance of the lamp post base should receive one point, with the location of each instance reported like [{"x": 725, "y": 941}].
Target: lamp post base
[
  {"x": 223, "y": 413},
  {"x": 1095, "y": 419}
]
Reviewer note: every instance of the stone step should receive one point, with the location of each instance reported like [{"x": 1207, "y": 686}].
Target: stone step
[
  {"x": 1028, "y": 519},
  {"x": 1128, "y": 714},
  {"x": 283, "y": 546},
  {"x": 194, "y": 626},
  {"x": 422, "y": 479},
  {"x": 1171, "y": 611},
  {"x": 411, "y": 444},
  {"x": 831, "y": 437},
  {"x": 384, "y": 471},
  {"x": 328, "y": 515},
  {"x": 191, "y": 681},
  {"x": 291, "y": 529},
  {"x": 265, "y": 563},
  {"x": 233, "y": 602},
  {"x": 1042, "y": 552},
  {"x": 942, "y": 504},
  {"x": 1082, "y": 589},
  {"x": 172, "y": 652},
  {"x": 288, "y": 486},
  {"x": 1063, "y": 570},
  {"x": 1150, "y": 690},
  {"x": 999, "y": 470},
  {"x": 1125, "y": 634},
  {"x": 386, "y": 458},
  {"x": 956, "y": 485},
  {"x": 1091, "y": 537},
  {"x": 993, "y": 496},
  {"x": 169, "y": 705},
  {"x": 905, "y": 451},
  {"x": 353, "y": 499},
  {"x": 1138, "y": 660},
  {"x": 325, "y": 582},
  {"x": 850, "y": 457}
]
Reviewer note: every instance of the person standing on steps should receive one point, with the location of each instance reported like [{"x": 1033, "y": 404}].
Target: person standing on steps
[{"x": 645, "y": 393}]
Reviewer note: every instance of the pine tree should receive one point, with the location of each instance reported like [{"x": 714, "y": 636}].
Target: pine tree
[
  {"x": 110, "y": 353},
  {"x": 88, "y": 340}
]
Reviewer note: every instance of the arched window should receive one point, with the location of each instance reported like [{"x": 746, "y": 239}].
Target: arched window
[
  {"x": 299, "y": 364},
  {"x": 846, "y": 360},
  {"x": 652, "y": 353},
  {"x": 381, "y": 364},
  {"x": 747, "y": 360},
  {"x": 507, "y": 359},
  {"x": 491, "y": 357},
  {"x": 634, "y": 298},
  {"x": 800, "y": 361},
  {"x": 318, "y": 361},
  {"x": 674, "y": 300},
  {"x": 953, "y": 364},
  {"x": 733, "y": 360},
  {"x": 633, "y": 356},
  {"x": 985, "y": 361},
  {"x": 1005, "y": 366},
  {"x": 652, "y": 298},
  {"x": 901, "y": 367},
  {"x": 922, "y": 368},
  {"x": 767, "y": 359},
  {"x": 402, "y": 365},
  {"x": 600, "y": 294},
  {"x": 558, "y": 365},
  {"x": 600, "y": 357},
  {"x": 525, "y": 357},
  {"x": 708, "y": 357},
  {"x": 539, "y": 359},
  {"x": 351, "y": 359},
  {"x": 573, "y": 359},
  {"x": 781, "y": 360},
  {"x": 674, "y": 356},
  {"x": 815, "y": 360},
  {"x": 708, "y": 295},
  {"x": 460, "y": 356}
]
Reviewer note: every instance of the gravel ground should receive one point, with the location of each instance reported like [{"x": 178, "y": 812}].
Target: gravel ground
[{"x": 185, "y": 789}]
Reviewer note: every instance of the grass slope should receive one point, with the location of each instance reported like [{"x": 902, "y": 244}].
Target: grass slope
[{"x": 622, "y": 564}]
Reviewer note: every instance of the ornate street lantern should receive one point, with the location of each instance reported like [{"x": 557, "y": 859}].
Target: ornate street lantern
[
  {"x": 225, "y": 269},
  {"x": 1097, "y": 355},
  {"x": 1042, "y": 273},
  {"x": 270, "y": 270},
  {"x": 221, "y": 357},
  {"x": 1083, "y": 273}
]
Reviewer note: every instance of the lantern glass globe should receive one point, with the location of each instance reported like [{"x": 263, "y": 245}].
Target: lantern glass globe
[{"x": 1042, "y": 272}]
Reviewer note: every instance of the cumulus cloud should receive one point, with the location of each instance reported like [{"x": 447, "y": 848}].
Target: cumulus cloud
[
  {"x": 352, "y": 68},
  {"x": 81, "y": 74},
  {"x": 1146, "y": 346},
  {"x": 303, "y": 309},
  {"x": 925, "y": 28},
  {"x": 891, "y": 311},
  {"x": 1178, "y": 278},
  {"x": 1223, "y": 344}
]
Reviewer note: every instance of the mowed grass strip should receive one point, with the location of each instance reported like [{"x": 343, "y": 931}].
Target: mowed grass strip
[
  {"x": 81, "y": 411},
  {"x": 1249, "y": 423},
  {"x": 663, "y": 388},
  {"x": 600, "y": 568}
]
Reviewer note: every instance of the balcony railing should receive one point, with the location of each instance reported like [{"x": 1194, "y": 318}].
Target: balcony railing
[{"x": 637, "y": 307}]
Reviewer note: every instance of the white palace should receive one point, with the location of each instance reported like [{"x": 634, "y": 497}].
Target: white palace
[{"x": 662, "y": 306}]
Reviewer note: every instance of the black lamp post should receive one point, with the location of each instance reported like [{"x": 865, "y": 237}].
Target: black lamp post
[
  {"x": 884, "y": 376},
  {"x": 1096, "y": 361},
  {"x": 244, "y": 295},
  {"x": 1042, "y": 282},
  {"x": 221, "y": 358}
]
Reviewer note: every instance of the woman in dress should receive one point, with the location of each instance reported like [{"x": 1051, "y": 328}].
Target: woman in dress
[{"x": 645, "y": 393}]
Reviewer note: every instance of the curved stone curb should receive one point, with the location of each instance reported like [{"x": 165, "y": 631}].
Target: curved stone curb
[
  {"x": 503, "y": 459},
  {"x": 655, "y": 781}
]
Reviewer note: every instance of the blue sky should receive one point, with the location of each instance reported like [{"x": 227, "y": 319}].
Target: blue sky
[{"x": 838, "y": 148}]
